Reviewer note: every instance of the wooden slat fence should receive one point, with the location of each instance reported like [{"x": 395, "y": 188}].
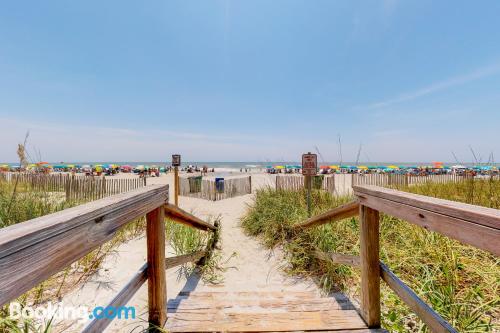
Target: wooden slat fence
[
  {"x": 206, "y": 188},
  {"x": 398, "y": 180},
  {"x": 296, "y": 182},
  {"x": 76, "y": 188}
]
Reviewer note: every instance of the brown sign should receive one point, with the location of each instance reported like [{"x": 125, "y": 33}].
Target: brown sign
[
  {"x": 176, "y": 160},
  {"x": 309, "y": 164}
]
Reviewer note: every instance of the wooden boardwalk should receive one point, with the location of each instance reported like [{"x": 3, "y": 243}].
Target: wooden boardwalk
[
  {"x": 269, "y": 311},
  {"x": 32, "y": 251}
]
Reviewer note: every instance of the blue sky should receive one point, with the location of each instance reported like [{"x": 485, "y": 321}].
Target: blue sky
[{"x": 250, "y": 80}]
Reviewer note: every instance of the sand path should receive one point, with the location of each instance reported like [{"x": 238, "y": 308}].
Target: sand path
[{"x": 247, "y": 265}]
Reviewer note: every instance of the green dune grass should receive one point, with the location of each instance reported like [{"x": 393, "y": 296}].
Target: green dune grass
[{"x": 460, "y": 282}]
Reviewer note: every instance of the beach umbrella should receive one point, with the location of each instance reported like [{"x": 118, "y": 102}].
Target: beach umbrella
[
  {"x": 279, "y": 167},
  {"x": 362, "y": 167},
  {"x": 373, "y": 167},
  {"x": 324, "y": 167},
  {"x": 392, "y": 167},
  {"x": 334, "y": 167},
  {"x": 269, "y": 167}
]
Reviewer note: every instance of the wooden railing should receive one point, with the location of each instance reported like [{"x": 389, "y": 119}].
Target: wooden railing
[
  {"x": 33, "y": 251},
  {"x": 472, "y": 225}
]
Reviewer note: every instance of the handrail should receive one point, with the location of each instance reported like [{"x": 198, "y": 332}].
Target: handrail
[
  {"x": 339, "y": 213},
  {"x": 181, "y": 216},
  {"x": 474, "y": 225},
  {"x": 32, "y": 251}
]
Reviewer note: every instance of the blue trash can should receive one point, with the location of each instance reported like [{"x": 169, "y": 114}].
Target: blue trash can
[{"x": 219, "y": 185}]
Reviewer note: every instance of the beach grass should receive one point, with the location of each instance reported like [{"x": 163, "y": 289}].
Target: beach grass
[{"x": 458, "y": 281}]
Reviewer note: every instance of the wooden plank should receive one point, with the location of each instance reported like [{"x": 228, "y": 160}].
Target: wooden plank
[
  {"x": 248, "y": 294},
  {"x": 370, "y": 269},
  {"x": 121, "y": 299},
  {"x": 185, "y": 258},
  {"x": 157, "y": 283},
  {"x": 478, "y": 235},
  {"x": 181, "y": 216},
  {"x": 264, "y": 322},
  {"x": 339, "y": 258},
  {"x": 342, "y": 212},
  {"x": 32, "y": 251},
  {"x": 357, "y": 330},
  {"x": 433, "y": 320},
  {"x": 476, "y": 214},
  {"x": 258, "y": 304}
]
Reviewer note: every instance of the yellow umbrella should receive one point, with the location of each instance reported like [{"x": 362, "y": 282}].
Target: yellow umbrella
[
  {"x": 334, "y": 166},
  {"x": 392, "y": 167},
  {"x": 362, "y": 167},
  {"x": 279, "y": 167}
]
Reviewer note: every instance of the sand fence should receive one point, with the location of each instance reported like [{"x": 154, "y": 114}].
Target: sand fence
[
  {"x": 76, "y": 188},
  {"x": 210, "y": 188},
  {"x": 341, "y": 184}
]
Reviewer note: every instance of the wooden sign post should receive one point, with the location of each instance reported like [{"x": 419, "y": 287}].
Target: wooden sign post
[
  {"x": 176, "y": 163},
  {"x": 309, "y": 169}
]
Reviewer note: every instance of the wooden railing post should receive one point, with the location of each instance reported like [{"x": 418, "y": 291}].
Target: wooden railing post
[
  {"x": 157, "y": 284},
  {"x": 370, "y": 267}
]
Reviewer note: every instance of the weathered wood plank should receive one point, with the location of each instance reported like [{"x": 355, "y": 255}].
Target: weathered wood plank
[
  {"x": 178, "y": 215},
  {"x": 121, "y": 299},
  {"x": 433, "y": 320},
  {"x": 32, "y": 251},
  {"x": 478, "y": 235},
  {"x": 361, "y": 330},
  {"x": 248, "y": 294},
  {"x": 258, "y": 305},
  {"x": 342, "y": 212},
  {"x": 264, "y": 322},
  {"x": 185, "y": 258},
  {"x": 370, "y": 268},
  {"x": 476, "y": 214},
  {"x": 157, "y": 283},
  {"x": 339, "y": 258}
]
